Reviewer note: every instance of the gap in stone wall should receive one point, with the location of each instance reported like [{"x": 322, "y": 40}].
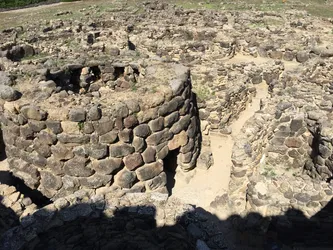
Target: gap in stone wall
[{"x": 170, "y": 166}]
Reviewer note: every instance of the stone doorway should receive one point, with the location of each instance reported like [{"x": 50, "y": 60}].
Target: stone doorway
[{"x": 170, "y": 167}]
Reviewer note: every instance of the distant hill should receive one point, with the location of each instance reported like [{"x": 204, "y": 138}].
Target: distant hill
[{"x": 13, "y": 4}]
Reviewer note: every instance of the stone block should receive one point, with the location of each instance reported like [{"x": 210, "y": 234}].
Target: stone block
[
  {"x": 95, "y": 181},
  {"x": 149, "y": 171},
  {"x": 77, "y": 167},
  {"x": 133, "y": 161},
  {"x": 121, "y": 150},
  {"x": 109, "y": 137},
  {"x": 107, "y": 166},
  {"x": 159, "y": 137},
  {"x": 149, "y": 155},
  {"x": 125, "y": 178},
  {"x": 142, "y": 130},
  {"x": 62, "y": 152}
]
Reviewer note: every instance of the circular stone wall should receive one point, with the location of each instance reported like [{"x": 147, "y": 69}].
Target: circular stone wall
[{"x": 113, "y": 127}]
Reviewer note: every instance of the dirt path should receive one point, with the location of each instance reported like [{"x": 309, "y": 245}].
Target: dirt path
[{"x": 205, "y": 185}]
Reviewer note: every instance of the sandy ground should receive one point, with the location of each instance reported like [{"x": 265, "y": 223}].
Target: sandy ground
[{"x": 205, "y": 185}]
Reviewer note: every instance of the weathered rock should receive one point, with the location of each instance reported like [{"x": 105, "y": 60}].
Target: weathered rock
[
  {"x": 98, "y": 151},
  {"x": 125, "y": 178},
  {"x": 77, "y": 115},
  {"x": 77, "y": 167},
  {"x": 109, "y": 137},
  {"x": 149, "y": 155},
  {"x": 142, "y": 130},
  {"x": 107, "y": 166},
  {"x": 94, "y": 113},
  {"x": 148, "y": 171},
  {"x": 50, "y": 181},
  {"x": 8, "y": 93},
  {"x": 133, "y": 161},
  {"x": 121, "y": 150},
  {"x": 32, "y": 112},
  {"x": 159, "y": 137}
]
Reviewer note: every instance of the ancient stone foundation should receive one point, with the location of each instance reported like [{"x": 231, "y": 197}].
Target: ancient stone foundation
[{"x": 59, "y": 140}]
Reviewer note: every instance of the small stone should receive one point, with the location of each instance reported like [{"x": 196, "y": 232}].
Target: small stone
[
  {"x": 293, "y": 142},
  {"x": 32, "y": 112},
  {"x": 126, "y": 135},
  {"x": 109, "y": 137},
  {"x": 94, "y": 113},
  {"x": 156, "y": 124},
  {"x": 302, "y": 197},
  {"x": 130, "y": 121},
  {"x": 8, "y": 93},
  {"x": 77, "y": 167},
  {"x": 139, "y": 144},
  {"x": 77, "y": 115}
]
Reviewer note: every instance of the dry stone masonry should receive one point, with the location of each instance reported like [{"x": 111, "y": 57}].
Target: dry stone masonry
[{"x": 60, "y": 143}]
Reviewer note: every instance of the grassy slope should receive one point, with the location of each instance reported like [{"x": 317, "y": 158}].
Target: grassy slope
[{"x": 11, "y": 19}]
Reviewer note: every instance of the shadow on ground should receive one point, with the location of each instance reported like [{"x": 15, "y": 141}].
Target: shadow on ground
[{"x": 88, "y": 226}]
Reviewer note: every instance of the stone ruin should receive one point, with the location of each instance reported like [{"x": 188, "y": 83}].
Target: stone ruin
[
  {"x": 59, "y": 144},
  {"x": 93, "y": 108}
]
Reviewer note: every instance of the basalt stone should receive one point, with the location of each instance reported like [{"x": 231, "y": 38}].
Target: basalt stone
[
  {"x": 118, "y": 124},
  {"x": 88, "y": 128},
  {"x": 103, "y": 126},
  {"x": 171, "y": 119},
  {"x": 142, "y": 130},
  {"x": 21, "y": 143},
  {"x": 37, "y": 126},
  {"x": 182, "y": 124},
  {"x": 192, "y": 128},
  {"x": 54, "y": 126},
  {"x": 133, "y": 161},
  {"x": 171, "y": 106},
  {"x": 324, "y": 151},
  {"x": 34, "y": 113},
  {"x": 277, "y": 141},
  {"x": 178, "y": 140},
  {"x": 139, "y": 144},
  {"x": 107, "y": 166},
  {"x": 37, "y": 159},
  {"x": 188, "y": 147},
  {"x": 130, "y": 121},
  {"x": 185, "y": 158},
  {"x": 55, "y": 166},
  {"x": 121, "y": 150},
  {"x": 42, "y": 148},
  {"x": 71, "y": 138},
  {"x": 94, "y": 113},
  {"x": 149, "y": 155},
  {"x": 9, "y": 94},
  {"x": 302, "y": 56},
  {"x": 159, "y": 137},
  {"x": 283, "y": 106},
  {"x": 77, "y": 167},
  {"x": 126, "y": 135},
  {"x": 302, "y": 197},
  {"x": 288, "y": 56},
  {"x": 70, "y": 183},
  {"x": 120, "y": 110},
  {"x": 156, "y": 124},
  {"x": 109, "y": 137},
  {"x": 156, "y": 182},
  {"x": 50, "y": 181},
  {"x": 147, "y": 115},
  {"x": 26, "y": 132},
  {"x": 98, "y": 151},
  {"x": 163, "y": 152},
  {"x": 8, "y": 138},
  {"x": 125, "y": 178},
  {"x": 293, "y": 142},
  {"x": 47, "y": 138},
  {"x": 149, "y": 171},
  {"x": 296, "y": 125},
  {"x": 133, "y": 106},
  {"x": 77, "y": 115},
  {"x": 95, "y": 181},
  {"x": 62, "y": 152}
]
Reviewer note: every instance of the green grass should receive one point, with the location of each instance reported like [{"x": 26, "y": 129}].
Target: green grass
[{"x": 323, "y": 8}]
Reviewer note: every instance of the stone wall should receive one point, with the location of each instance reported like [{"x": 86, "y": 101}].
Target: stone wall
[
  {"x": 247, "y": 155},
  {"x": 288, "y": 148},
  {"x": 114, "y": 220},
  {"x": 320, "y": 164},
  {"x": 65, "y": 141}
]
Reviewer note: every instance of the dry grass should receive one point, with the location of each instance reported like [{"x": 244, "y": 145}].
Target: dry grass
[{"x": 46, "y": 13}]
